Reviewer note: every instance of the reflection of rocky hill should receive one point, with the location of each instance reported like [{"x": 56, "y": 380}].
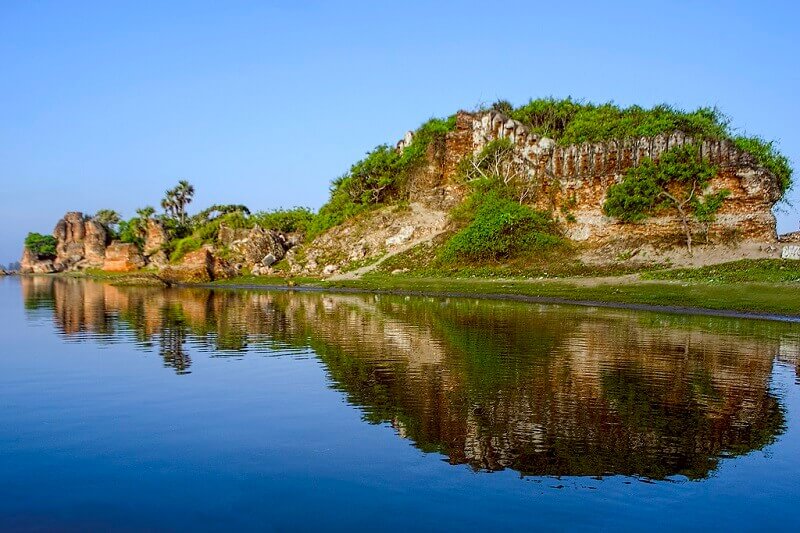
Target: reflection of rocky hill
[{"x": 493, "y": 385}]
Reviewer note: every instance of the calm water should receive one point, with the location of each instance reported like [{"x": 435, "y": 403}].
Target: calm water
[{"x": 134, "y": 408}]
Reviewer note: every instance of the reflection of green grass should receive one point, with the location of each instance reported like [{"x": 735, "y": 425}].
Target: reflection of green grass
[{"x": 744, "y": 297}]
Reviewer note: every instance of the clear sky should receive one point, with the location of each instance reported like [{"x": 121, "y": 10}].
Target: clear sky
[{"x": 107, "y": 104}]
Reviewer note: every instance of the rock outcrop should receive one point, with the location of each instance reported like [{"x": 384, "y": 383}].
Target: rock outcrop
[
  {"x": 571, "y": 181},
  {"x": 155, "y": 241},
  {"x": 80, "y": 242},
  {"x": 200, "y": 266},
  {"x": 31, "y": 264},
  {"x": 255, "y": 246},
  {"x": 123, "y": 257}
]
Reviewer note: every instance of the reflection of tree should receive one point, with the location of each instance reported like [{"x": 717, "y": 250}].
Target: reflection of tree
[
  {"x": 174, "y": 332},
  {"x": 541, "y": 390}
]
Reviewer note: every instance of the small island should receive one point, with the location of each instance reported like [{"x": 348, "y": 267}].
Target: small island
[{"x": 552, "y": 199}]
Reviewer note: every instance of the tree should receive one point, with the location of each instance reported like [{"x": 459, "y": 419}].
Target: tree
[
  {"x": 145, "y": 212},
  {"x": 677, "y": 182},
  {"x": 108, "y": 218},
  {"x": 135, "y": 230},
  {"x": 176, "y": 200},
  {"x": 41, "y": 245},
  {"x": 497, "y": 161}
]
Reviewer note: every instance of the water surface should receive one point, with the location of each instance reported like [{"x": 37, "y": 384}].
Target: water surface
[{"x": 146, "y": 408}]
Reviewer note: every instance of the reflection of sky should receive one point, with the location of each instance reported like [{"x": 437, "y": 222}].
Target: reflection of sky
[
  {"x": 109, "y": 105},
  {"x": 95, "y": 435}
]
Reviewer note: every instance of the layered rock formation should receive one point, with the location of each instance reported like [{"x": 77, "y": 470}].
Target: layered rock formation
[
  {"x": 80, "y": 243},
  {"x": 572, "y": 181}
]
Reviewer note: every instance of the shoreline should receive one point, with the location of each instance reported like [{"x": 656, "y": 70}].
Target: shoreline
[
  {"x": 691, "y": 311},
  {"x": 752, "y": 301}
]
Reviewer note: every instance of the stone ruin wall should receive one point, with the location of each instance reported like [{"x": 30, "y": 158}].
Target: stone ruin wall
[{"x": 573, "y": 180}]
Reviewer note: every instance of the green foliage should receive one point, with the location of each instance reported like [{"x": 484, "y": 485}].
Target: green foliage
[
  {"x": 108, "y": 218},
  {"x": 176, "y": 199},
  {"x": 338, "y": 209},
  {"x": 767, "y": 155},
  {"x": 216, "y": 211},
  {"x": 680, "y": 175},
  {"x": 297, "y": 219},
  {"x": 183, "y": 246},
  {"x": 500, "y": 229},
  {"x": 208, "y": 232},
  {"x": 133, "y": 231},
  {"x": 570, "y": 121},
  {"x": 41, "y": 245},
  {"x": 676, "y": 181},
  {"x": 742, "y": 271},
  {"x": 503, "y": 106},
  {"x": 381, "y": 177}
]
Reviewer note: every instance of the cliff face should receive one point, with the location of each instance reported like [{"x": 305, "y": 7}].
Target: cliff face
[
  {"x": 572, "y": 181},
  {"x": 80, "y": 243}
]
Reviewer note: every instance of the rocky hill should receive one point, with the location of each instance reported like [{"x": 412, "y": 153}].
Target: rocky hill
[{"x": 505, "y": 182}]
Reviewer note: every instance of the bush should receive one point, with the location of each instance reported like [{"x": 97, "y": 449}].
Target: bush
[
  {"x": 297, "y": 219},
  {"x": 381, "y": 177},
  {"x": 43, "y": 246},
  {"x": 501, "y": 228},
  {"x": 570, "y": 122},
  {"x": 184, "y": 246},
  {"x": 767, "y": 155}
]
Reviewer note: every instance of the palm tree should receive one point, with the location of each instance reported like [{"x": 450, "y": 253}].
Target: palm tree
[{"x": 176, "y": 200}]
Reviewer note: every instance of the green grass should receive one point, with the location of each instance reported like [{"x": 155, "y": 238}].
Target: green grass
[
  {"x": 742, "y": 297},
  {"x": 745, "y": 270}
]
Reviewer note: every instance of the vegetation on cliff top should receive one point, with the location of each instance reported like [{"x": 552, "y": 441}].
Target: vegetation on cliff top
[
  {"x": 41, "y": 245},
  {"x": 571, "y": 121}
]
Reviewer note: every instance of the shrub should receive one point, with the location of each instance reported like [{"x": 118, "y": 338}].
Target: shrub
[
  {"x": 184, "y": 246},
  {"x": 41, "y": 245},
  {"x": 677, "y": 182},
  {"x": 570, "y": 121},
  {"x": 767, "y": 155},
  {"x": 380, "y": 177},
  {"x": 297, "y": 219},
  {"x": 501, "y": 228}
]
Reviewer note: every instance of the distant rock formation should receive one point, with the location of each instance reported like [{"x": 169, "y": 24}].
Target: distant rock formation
[
  {"x": 123, "y": 257},
  {"x": 81, "y": 242},
  {"x": 200, "y": 266}
]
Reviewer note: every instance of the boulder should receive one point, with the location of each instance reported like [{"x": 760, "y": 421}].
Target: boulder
[
  {"x": 200, "y": 266},
  {"x": 158, "y": 259},
  {"x": 256, "y": 245},
  {"x": 94, "y": 242},
  {"x": 195, "y": 267},
  {"x": 32, "y": 264},
  {"x": 123, "y": 257},
  {"x": 791, "y": 252}
]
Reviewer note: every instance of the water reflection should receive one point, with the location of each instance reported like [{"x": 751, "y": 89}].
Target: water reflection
[{"x": 542, "y": 390}]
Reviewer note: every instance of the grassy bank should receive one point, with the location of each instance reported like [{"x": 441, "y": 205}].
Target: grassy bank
[
  {"x": 763, "y": 298},
  {"x": 763, "y": 286}
]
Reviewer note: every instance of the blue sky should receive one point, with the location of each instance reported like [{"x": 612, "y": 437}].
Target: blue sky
[{"x": 107, "y": 104}]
